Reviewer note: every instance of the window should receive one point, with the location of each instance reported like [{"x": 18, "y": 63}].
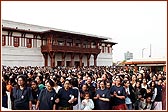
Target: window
[
  {"x": 93, "y": 45},
  {"x": 16, "y": 41},
  {"x": 54, "y": 42},
  {"x": 60, "y": 43},
  {"x": 84, "y": 45},
  {"x": 8, "y": 40},
  {"x": 29, "y": 42},
  {"x": 108, "y": 49},
  {"x": 76, "y": 44},
  {"x": 3, "y": 40},
  {"x": 102, "y": 49},
  {"x": 69, "y": 43}
]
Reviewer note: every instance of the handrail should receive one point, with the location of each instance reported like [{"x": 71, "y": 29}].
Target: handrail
[{"x": 74, "y": 49}]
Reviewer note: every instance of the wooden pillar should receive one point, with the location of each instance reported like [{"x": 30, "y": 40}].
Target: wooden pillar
[
  {"x": 48, "y": 40},
  {"x": 65, "y": 42},
  {"x": 81, "y": 42},
  {"x": 95, "y": 59},
  {"x": 88, "y": 60},
  {"x": 72, "y": 59},
  {"x": 52, "y": 56},
  {"x": 63, "y": 59},
  {"x": 56, "y": 40},
  {"x": 73, "y": 42},
  {"x": 80, "y": 59},
  {"x": 45, "y": 55}
]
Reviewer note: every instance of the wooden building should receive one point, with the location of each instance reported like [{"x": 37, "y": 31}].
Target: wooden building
[{"x": 31, "y": 45}]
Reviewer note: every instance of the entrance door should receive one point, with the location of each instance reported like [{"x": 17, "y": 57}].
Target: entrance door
[
  {"x": 68, "y": 63},
  {"x": 59, "y": 63},
  {"x": 77, "y": 63}
]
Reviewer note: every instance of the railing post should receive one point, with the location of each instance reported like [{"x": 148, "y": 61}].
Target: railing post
[{"x": 45, "y": 55}]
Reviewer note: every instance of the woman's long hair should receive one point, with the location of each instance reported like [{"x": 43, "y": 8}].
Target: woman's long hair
[{"x": 24, "y": 80}]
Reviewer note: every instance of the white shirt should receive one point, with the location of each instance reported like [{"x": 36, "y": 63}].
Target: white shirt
[
  {"x": 89, "y": 105},
  {"x": 57, "y": 88}
]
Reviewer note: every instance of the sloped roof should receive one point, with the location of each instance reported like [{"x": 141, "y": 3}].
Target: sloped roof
[
  {"x": 146, "y": 61},
  {"x": 37, "y": 28}
]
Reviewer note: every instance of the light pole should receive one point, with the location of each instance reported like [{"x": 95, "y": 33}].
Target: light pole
[
  {"x": 142, "y": 51},
  {"x": 150, "y": 51}
]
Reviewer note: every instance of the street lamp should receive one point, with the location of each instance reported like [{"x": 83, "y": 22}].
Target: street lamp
[{"x": 142, "y": 51}]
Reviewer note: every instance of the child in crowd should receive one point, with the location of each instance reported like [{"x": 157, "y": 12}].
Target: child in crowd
[
  {"x": 87, "y": 103},
  {"x": 145, "y": 104}
]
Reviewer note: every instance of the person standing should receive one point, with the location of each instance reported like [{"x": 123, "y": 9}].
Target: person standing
[
  {"x": 39, "y": 80},
  {"x": 118, "y": 93},
  {"x": 108, "y": 85},
  {"x": 77, "y": 101},
  {"x": 137, "y": 95},
  {"x": 87, "y": 103},
  {"x": 164, "y": 95},
  {"x": 47, "y": 97},
  {"x": 35, "y": 93},
  {"x": 146, "y": 104},
  {"x": 91, "y": 86},
  {"x": 66, "y": 97},
  {"x": 56, "y": 86},
  {"x": 144, "y": 83},
  {"x": 4, "y": 96},
  {"x": 158, "y": 99},
  {"x": 128, "y": 99},
  {"x": 102, "y": 97},
  {"x": 22, "y": 95}
]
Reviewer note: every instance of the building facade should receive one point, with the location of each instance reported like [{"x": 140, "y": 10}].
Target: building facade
[
  {"x": 32, "y": 45},
  {"x": 128, "y": 55}
]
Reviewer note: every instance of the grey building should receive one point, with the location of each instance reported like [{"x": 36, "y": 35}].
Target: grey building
[{"x": 128, "y": 55}]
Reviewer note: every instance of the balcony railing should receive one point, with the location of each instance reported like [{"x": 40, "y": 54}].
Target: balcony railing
[{"x": 74, "y": 49}]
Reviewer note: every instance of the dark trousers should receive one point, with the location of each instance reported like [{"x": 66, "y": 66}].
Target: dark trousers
[{"x": 4, "y": 101}]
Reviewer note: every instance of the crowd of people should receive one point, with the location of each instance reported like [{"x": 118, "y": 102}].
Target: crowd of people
[{"x": 82, "y": 88}]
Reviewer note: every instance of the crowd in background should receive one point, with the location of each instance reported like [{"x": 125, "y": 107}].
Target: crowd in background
[{"x": 85, "y": 88}]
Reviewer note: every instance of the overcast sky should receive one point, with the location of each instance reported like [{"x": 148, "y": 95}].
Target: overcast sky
[{"x": 133, "y": 25}]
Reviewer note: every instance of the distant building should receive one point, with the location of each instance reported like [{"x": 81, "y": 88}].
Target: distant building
[
  {"x": 152, "y": 64},
  {"x": 128, "y": 55}
]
